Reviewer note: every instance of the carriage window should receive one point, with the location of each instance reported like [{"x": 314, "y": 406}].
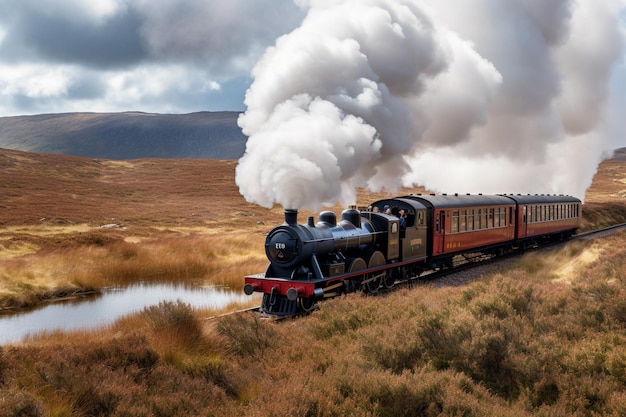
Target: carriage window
[
  {"x": 510, "y": 215},
  {"x": 483, "y": 219},
  {"x": 503, "y": 217},
  {"x": 455, "y": 222},
  {"x": 462, "y": 221},
  {"x": 470, "y": 220},
  {"x": 437, "y": 223},
  {"x": 490, "y": 221}
]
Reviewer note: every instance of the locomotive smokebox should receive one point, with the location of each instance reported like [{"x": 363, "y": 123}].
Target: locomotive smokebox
[{"x": 291, "y": 217}]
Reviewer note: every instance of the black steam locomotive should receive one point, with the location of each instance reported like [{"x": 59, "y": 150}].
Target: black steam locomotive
[{"x": 397, "y": 239}]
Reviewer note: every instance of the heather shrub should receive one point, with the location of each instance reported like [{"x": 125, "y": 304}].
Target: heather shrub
[
  {"x": 396, "y": 348},
  {"x": 127, "y": 353},
  {"x": 345, "y": 315},
  {"x": 19, "y": 404},
  {"x": 170, "y": 316},
  {"x": 119, "y": 377},
  {"x": 441, "y": 341},
  {"x": 246, "y": 335}
]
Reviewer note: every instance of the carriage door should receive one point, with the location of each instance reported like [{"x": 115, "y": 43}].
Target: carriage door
[
  {"x": 440, "y": 227},
  {"x": 523, "y": 224}
]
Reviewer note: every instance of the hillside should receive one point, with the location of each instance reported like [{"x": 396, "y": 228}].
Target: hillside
[
  {"x": 127, "y": 135},
  {"x": 47, "y": 188},
  {"x": 39, "y": 188},
  {"x": 60, "y": 189}
]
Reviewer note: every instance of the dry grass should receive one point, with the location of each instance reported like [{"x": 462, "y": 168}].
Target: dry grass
[{"x": 104, "y": 261}]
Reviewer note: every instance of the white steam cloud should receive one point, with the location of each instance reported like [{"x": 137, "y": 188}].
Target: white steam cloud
[{"x": 476, "y": 96}]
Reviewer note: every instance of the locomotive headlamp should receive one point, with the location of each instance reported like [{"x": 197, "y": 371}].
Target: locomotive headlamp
[{"x": 282, "y": 246}]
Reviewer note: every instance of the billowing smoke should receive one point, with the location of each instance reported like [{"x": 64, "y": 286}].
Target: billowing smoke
[{"x": 476, "y": 96}]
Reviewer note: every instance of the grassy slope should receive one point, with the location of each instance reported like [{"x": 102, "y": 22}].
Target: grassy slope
[{"x": 543, "y": 338}]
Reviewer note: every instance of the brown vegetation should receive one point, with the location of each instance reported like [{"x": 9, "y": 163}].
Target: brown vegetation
[
  {"x": 519, "y": 343},
  {"x": 543, "y": 338}
]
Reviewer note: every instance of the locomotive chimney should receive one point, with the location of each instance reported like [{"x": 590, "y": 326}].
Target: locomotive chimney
[{"x": 291, "y": 217}]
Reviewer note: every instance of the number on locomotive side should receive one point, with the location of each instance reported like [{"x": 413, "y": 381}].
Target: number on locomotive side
[{"x": 280, "y": 246}]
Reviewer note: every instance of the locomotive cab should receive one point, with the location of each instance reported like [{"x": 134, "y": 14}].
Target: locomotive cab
[{"x": 413, "y": 234}]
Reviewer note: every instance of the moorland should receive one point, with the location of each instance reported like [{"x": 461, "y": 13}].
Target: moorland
[{"x": 543, "y": 337}]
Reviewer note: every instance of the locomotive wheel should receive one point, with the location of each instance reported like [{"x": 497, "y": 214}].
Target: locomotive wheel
[
  {"x": 390, "y": 279},
  {"x": 372, "y": 286},
  {"x": 357, "y": 264},
  {"x": 376, "y": 259}
]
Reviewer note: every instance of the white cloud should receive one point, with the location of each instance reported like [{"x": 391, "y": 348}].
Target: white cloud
[{"x": 34, "y": 81}]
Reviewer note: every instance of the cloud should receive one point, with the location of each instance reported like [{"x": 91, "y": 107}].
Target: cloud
[
  {"x": 110, "y": 54},
  {"x": 481, "y": 95},
  {"x": 38, "y": 32}
]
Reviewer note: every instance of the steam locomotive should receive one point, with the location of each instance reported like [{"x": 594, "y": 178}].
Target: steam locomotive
[{"x": 398, "y": 239}]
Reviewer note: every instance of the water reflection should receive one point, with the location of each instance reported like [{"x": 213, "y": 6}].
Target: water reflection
[{"x": 111, "y": 305}]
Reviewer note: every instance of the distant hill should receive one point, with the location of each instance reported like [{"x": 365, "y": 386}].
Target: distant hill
[{"x": 128, "y": 135}]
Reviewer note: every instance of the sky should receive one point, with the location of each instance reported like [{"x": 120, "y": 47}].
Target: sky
[
  {"x": 389, "y": 91},
  {"x": 162, "y": 56}
]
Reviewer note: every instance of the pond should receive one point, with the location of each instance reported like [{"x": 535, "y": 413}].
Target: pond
[{"x": 97, "y": 311}]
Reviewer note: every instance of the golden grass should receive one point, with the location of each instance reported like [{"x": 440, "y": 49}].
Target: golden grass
[
  {"x": 46, "y": 230},
  {"x": 10, "y": 250},
  {"x": 102, "y": 261}
]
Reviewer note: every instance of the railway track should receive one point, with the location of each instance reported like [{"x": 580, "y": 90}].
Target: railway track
[
  {"x": 461, "y": 264},
  {"x": 593, "y": 234}
]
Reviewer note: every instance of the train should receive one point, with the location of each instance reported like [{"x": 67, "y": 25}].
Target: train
[{"x": 397, "y": 239}]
